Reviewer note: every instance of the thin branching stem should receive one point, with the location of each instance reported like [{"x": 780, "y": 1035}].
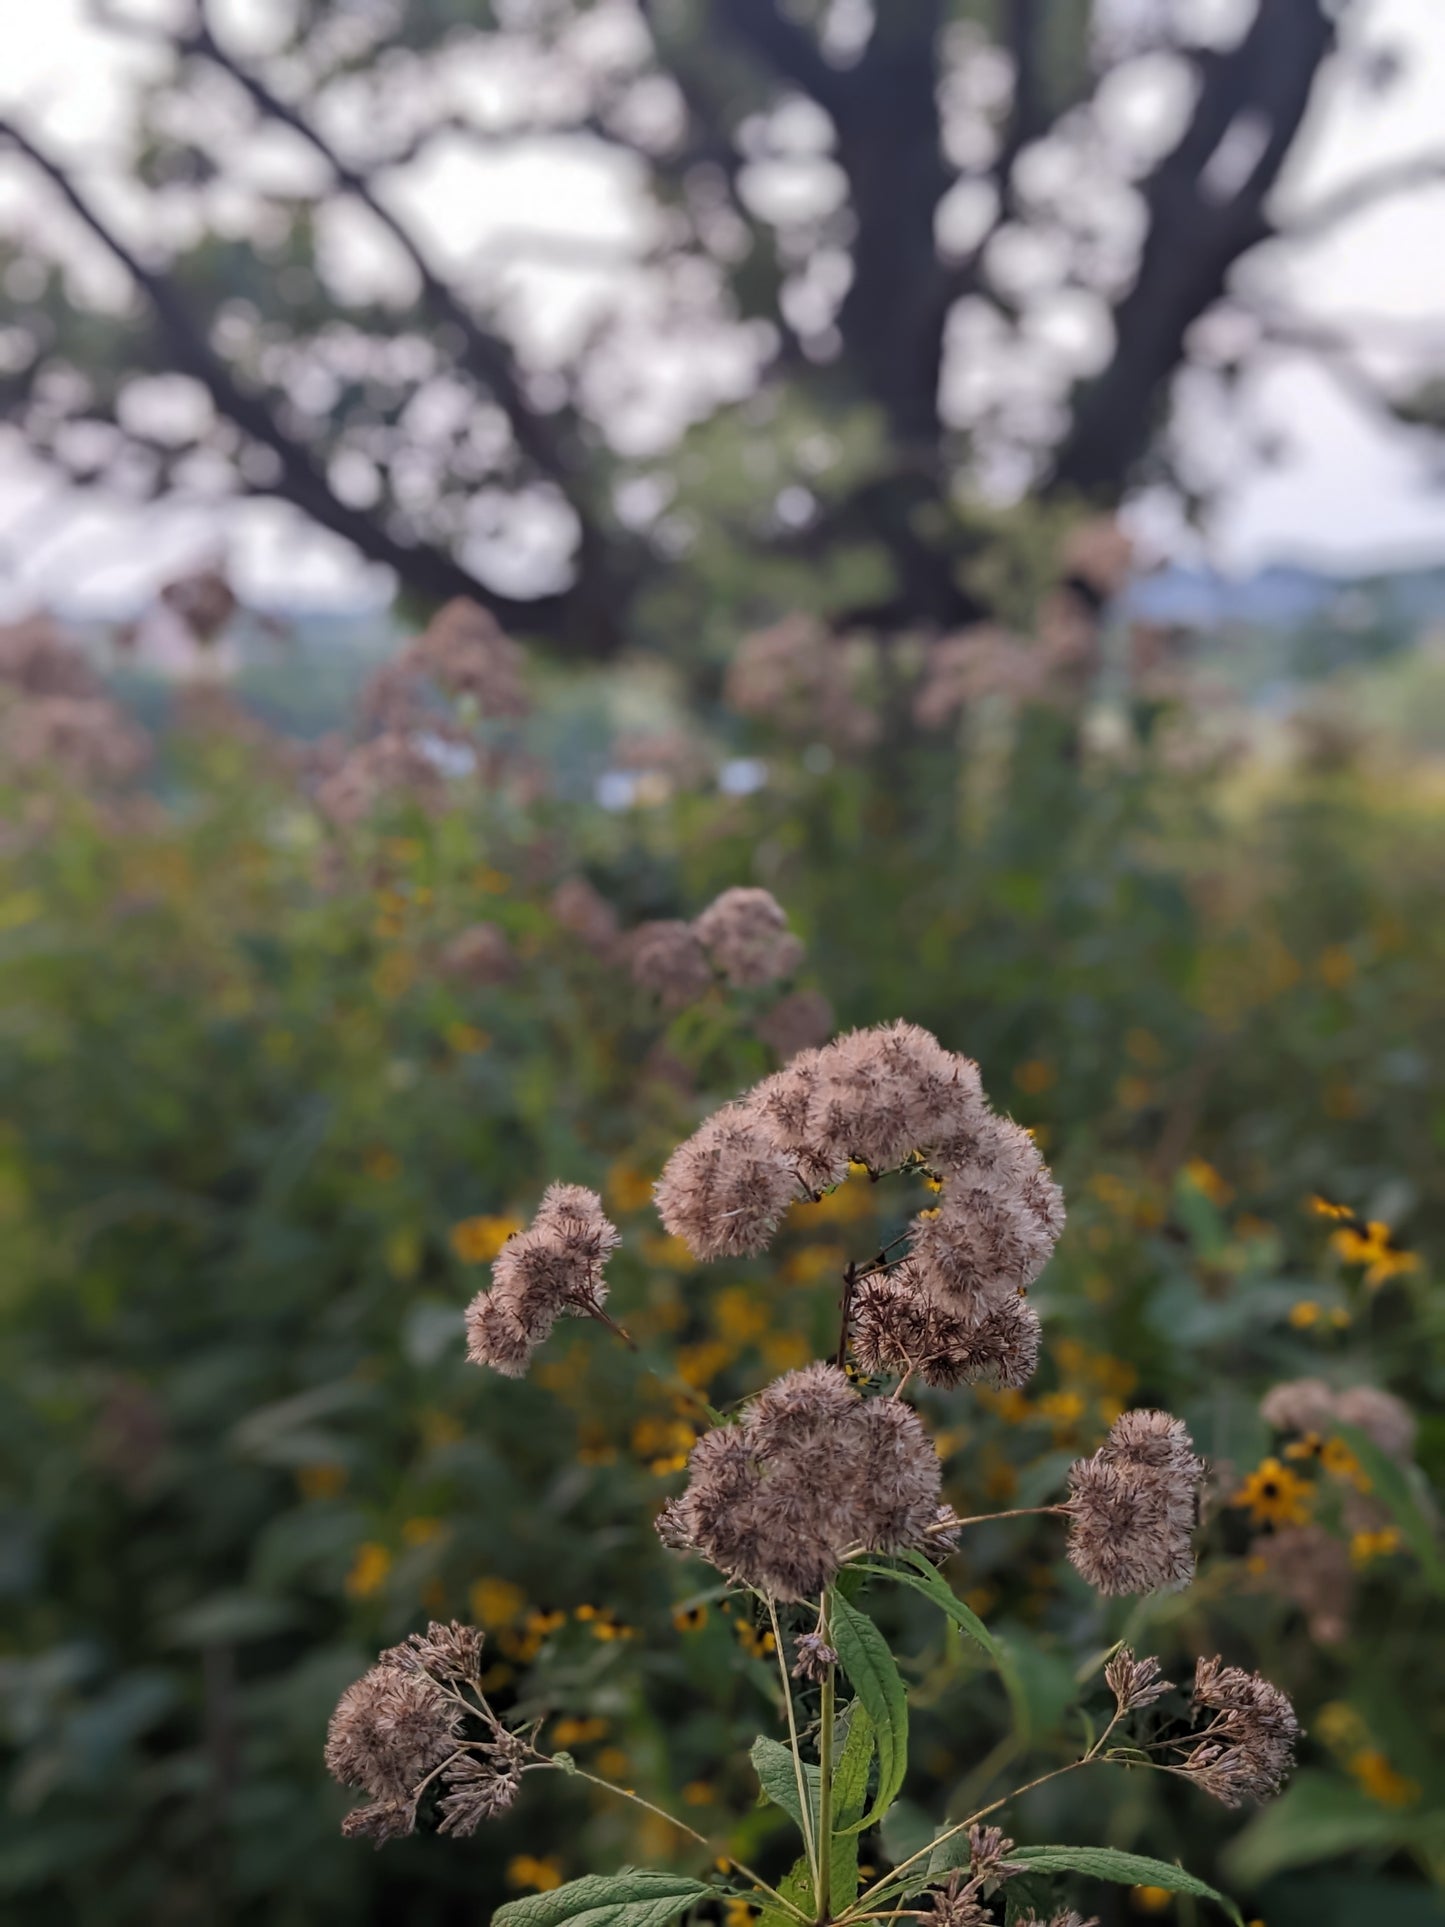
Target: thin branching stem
[
  {"x": 805, "y": 1806},
  {"x": 626, "y": 1793},
  {"x": 989, "y": 1518},
  {"x": 825, "y": 1776}
]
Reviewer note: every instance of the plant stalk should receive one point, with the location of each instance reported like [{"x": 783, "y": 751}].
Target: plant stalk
[{"x": 825, "y": 1778}]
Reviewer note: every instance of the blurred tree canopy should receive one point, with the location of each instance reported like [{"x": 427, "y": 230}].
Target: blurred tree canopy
[{"x": 854, "y": 264}]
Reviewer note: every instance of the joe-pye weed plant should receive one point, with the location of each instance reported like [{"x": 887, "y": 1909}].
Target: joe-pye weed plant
[{"x": 824, "y": 1483}]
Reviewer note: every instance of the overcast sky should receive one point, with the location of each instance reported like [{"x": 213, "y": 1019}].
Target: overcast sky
[{"x": 1347, "y": 493}]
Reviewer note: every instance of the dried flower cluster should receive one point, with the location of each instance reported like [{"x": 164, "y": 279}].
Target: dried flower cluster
[
  {"x": 580, "y": 908},
  {"x": 480, "y": 954},
  {"x": 1309, "y": 1405},
  {"x": 953, "y": 1310},
  {"x": 1246, "y": 1751},
  {"x": 1135, "y": 1683},
  {"x": 797, "y": 677},
  {"x": 742, "y": 936},
  {"x": 1133, "y": 1506},
  {"x": 959, "y": 1901},
  {"x": 466, "y": 653},
  {"x": 55, "y": 718},
  {"x": 407, "y": 1723},
  {"x": 812, "y": 1470},
  {"x": 1310, "y": 1569},
  {"x": 555, "y": 1266}
]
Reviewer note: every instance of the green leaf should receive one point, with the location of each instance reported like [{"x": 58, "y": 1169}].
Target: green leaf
[
  {"x": 778, "y": 1778},
  {"x": 796, "y": 1885},
  {"x": 632, "y": 1897},
  {"x": 926, "y": 1579},
  {"x": 850, "y": 1797},
  {"x": 873, "y": 1673},
  {"x": 1127, "y": 1869},
  {"x": 1317, "y": 1818},
  {"x": 1391, "y": 1485}
]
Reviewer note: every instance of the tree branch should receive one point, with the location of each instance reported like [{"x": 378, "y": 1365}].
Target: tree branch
[
  {"x": 303, "y": 482},
  {"x": 1395, "y": 177},
  {"x": 1193, "y": 238}
]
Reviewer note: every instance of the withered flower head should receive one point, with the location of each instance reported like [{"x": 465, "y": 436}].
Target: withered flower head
[
  {"x": 449, "y": 1652},
  {"x": 465, "y": 651},
  {"x": 811, "y": 1469},
  {"x": 480, "y": 954},
  {"x": 897, "y": 1327},
  {"x": 1132, "y": 1506},
  {"x": 389, "y": 1730},
  {"x": 1247, "y": 1749},
  {"x": 800, "y": 1021},
  {"x": 745, "y": 933},
  {"x": 1309, "y": 1405},
  {"x": 668, "y": 960},
  {"x": 956, "y": 1903},
  {"x": 556, "y": 1266},
  {"x": 582, "y": 909},
  {"x": 725, "y": 1189},
  {"x": 813, "y": 1657},
  {"x": 1135, "y": 1683},
  {"x": 1310, "y": 1568},
  {"x": 1068, "y": 1918},
  {"x": 988, "y": 1854}
]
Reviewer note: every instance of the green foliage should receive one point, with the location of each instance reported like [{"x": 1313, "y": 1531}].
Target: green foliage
[
  {"x": 873, "y": 1673},
  {"x": 633, "y": 1897},
  {"x": 1125, "y": 1869}
]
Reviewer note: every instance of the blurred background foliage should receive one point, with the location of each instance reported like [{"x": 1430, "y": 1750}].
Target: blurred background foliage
[
  {"x": 746, "y": 468},
  {"x": 264, "y": 1131}
]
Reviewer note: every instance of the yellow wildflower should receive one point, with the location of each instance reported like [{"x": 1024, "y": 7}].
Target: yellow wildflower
[
  {"x": 1304, "y": 1314},
  {"x": 495, "y": 1602},
  {"x": 687, "y": 1619},
  {"x": 321, "y": 1480},
  {"x": 1323, "y": 1207},
  {"x": 1203, "y": 1176},
  {"x": 1373, "y": 1245},
  {"x": 1274, "y": 1495},
  {"x": 1151, "y": 1900},
  {"x": 1337, "y": 1458},
  {"x": 421, "y": 1531},
  {"x": 1036, "y": 1075},
  {"x": 1368, "y": 1546},
  {"x": 476, "y": 1241},
  {"x": 697, "y": 1793},
  {"x": 525, "y": 1870},
  {"x": 380, "y": 1164},
  {"x": 368, "y": 1570},
  {"x": 1336, "y": 967},
  {"x": 628, "y": 1188},
  {"x": 1381, "y": 1781}
]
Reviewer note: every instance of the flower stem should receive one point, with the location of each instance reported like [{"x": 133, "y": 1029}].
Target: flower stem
[
  {"x": 626, "y": 1793},
  {"x": 825, "y": 1778},
  {"x": 988, "y": 1518},
  {"x": 805, "y": 1805}
]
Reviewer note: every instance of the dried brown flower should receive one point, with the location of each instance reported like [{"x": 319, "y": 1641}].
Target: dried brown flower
[
  {"x": 467, "y": 654},
  {"x": 480, "y": 954},
  {"x": 1309, "y": 1405},
  {"x": 555, "y": 1266},
  {"x": 1135, "y": 1683},
  {"x": 724, "y": 1190},
  {"x": 897, "y": 1327},
  {"x": 1247, "y": 1749},
  {"x": 389, "y": 1730},
  {"x": 1133, "y": 1506},
  {"x": 813, "y": 1657},
  {"x": 668, "y": 960},
  {"x": 798, "y": 678},
  {"x": 800, "y": 1021},
  {"x": 811, "y": 1469},
  {"x": 1310, "y": 1569},
  {"x": 84, "y": 739},
  {"x": 745, "y": 933},
  {"x": 37, "y": 657},
  {"x": 582, "y": 909}
]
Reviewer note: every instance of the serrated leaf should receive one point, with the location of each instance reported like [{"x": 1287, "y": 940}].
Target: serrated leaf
[
  {"x": 1126, "y": 1869},
  {"x": 929, "y": 1581},
  {"x": 850, "y": 1796},
  {"x": 632, "y": 1897},
  {"x": 778, "y": 1777},
  {"x": 873, "y": 1674}
]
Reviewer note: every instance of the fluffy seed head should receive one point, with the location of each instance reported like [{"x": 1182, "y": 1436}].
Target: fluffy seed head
[
  {"x": 725, "y": 1189},
  {"x": 745, "y": 933},
  {"x": 1135, "y": 1683},
  {"x": 810, "y": 1469},
  {"x": 668, "y": 960},
  {"x": 388, "y": 1731},
  {"x": 1246, "y": 1751},
  {"x": 1133, "y": 1507},
  {"x": 555, "y": 1267}
]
